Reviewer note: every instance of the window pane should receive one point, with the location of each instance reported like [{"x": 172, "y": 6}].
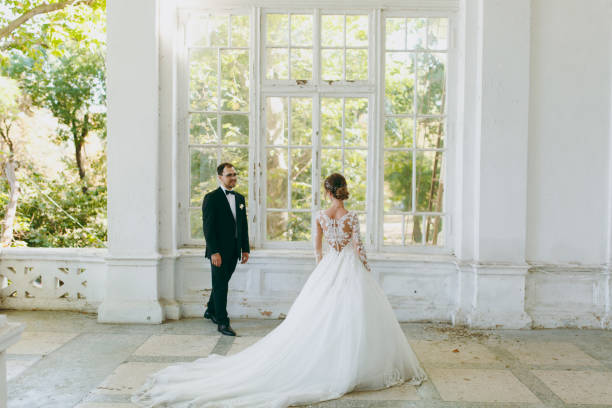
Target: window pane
[
  {"x": 218, "y": 29},
  {"x": 277, "y": 29},
  {"x": 395, "y": 34},
  {"x": 432, "y": 83},
  {"x": 235, "y": 80},
  {"x": 301, "y": 121},
  {"x": 357, "y": 31},
  {"x": 203, "y": 165},
  {"x": 356, "y": 65},
  {"x": 195, "y": 223},
  {"x": 235, "y": 129},
  {"x": 277, "y": 63},
  {"x": 332, "y": 31},
  {"x": 331, "y": 162},
  {"x": 399, "y": 82},
  {"x": 392, "y": 229},
  {"x": 241, "y": 29},
  {"x": 239, "y": 157},
  {"x": 203, "y": 128},
  {"x": 301, "y": 30},
  {"x": 301, "y": 178},
  {"x": 203, "y": 80},
  {"x": 276, "y": 120},
  {"x": 332, "y": 65},
  {"x": 363, "y": 227},
  {"x": 196, "y": 33},
  {"x": 399, "y": 132},
  {"x": 398, "y": 181},
  {"x": 301, "y": 64},
  {"x": 285, "y": 226},
  {"x": 429, "y": 185},
  {"x": 416, "y": 33},
  {"x": 277, "y": 176},
  {"x": 434, "y": 232},
  {"x": 355, "y": 172},
  {"x": 356, "y": 122},
  {"x": 331, "y": 121},
  {"x": 437, "y": 33},
  {"x": 430, "y": 133},
  {"x": 413, "y": 229}
]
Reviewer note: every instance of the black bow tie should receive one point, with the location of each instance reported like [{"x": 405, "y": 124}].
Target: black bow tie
[{"x": 229, "y": 192}]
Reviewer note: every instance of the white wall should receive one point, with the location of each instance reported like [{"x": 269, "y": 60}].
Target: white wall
[{"x": 569, "y": 131}]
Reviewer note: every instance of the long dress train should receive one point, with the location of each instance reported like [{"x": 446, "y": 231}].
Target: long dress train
[{"x": 339, "y": 335}]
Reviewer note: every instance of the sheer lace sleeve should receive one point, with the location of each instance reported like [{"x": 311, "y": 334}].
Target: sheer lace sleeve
[
  {"x": 357, "y": 243},
  {"x": 318, "y": 240}
]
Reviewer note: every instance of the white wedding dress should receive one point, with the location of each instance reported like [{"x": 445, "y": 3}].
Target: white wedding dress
[{"x": 339, "y": 335}]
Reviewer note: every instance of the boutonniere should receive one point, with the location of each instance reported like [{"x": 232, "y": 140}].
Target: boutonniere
[{"x": 242, "y": 206}]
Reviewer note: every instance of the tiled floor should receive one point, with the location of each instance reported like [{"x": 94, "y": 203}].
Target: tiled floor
[{"x": 69, "y": 360}]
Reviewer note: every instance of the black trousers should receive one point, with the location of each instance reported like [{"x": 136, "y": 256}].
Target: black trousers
[{"x": 217, "y": 303}]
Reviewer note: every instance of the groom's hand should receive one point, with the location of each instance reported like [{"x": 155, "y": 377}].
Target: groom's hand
[
  {"x": 216, "y": 259},
  {"x": 245, "y": 257}
]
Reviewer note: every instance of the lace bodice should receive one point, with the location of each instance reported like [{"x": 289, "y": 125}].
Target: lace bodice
[{"x": 338, "y": 234}]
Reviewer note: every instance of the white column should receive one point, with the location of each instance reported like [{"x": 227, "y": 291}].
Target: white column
[
  {"x": 607, "y": 278},
  {"x": 492, "y": 282},
  {"x": 131, "y": 294}
]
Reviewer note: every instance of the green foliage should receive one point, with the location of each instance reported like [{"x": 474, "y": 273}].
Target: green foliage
[
  {"x": 71, "y": 86},
  {"x": 45, "y": 34},
  {"x": 9, "y": 98},
  {"x": 56, "y": 213},
  {"x": 57, "y": 58}
]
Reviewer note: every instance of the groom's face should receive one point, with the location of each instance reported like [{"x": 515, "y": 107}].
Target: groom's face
[{"x": 229, "y": 177}]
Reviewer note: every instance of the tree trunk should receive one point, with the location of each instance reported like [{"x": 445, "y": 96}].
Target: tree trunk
[
  {"x": 433, "y": 190},
  {"x": 78, "y": 150},
  {"x": 79, "y": 135},
  {"x": 41, "y": 9},
  {"x": 11, "y": 206}
]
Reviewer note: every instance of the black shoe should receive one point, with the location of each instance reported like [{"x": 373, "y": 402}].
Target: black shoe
[
  {"x": 208, "y": 315},
  {"x": 226, "y": 329}
]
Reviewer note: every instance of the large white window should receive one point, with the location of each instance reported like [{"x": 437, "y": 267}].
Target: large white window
[{"x": 291, "y": 96}]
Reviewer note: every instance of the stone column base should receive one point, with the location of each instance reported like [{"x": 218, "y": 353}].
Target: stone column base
[
  {"x": 497, "y": 299},
  {"x": 132, "y": 294}
]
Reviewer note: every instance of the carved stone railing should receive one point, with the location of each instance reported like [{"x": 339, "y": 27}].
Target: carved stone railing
[{"x": 52, "y": 279}]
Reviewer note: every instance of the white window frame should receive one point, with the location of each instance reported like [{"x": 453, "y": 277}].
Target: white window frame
[{"x": 262, "y": 88}]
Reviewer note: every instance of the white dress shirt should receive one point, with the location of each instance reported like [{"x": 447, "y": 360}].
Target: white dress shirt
[{"x": 231, "y": 198}]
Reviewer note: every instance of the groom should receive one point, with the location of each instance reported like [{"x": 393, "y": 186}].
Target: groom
[{"x": 227, "y": 240}]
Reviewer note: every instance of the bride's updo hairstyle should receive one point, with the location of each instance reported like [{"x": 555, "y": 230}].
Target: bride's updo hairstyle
[{"x": 336, "y": 185}]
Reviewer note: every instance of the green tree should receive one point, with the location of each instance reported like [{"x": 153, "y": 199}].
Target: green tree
[
  {"x": 71, "y": 86},
  {"x": 10, "y": 99},
  {"x": 54, "y": 50},
  {"x": 38, "y": 28}
]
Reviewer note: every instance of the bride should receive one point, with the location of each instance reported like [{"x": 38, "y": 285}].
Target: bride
[{"x": 339, "y": 335}]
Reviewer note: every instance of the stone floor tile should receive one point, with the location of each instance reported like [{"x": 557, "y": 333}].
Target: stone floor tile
[
  {"x": 579, "y": 387},
  {"x": 127, "y": 378},
  {"x": 448, "y": 352},
  {"x": 105, "y": 405},
  {"x": 480, "y": 385},
  {"x": 242, "y": 342},
  {"x": 403, "y": 392},
  {"x": 549, "y": 353},
  {"x": 177, "y": 345},
  {"x": 14, "y": 367},
  {"x": 40, "y": 342}
]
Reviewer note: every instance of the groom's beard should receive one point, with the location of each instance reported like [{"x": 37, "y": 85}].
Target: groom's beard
[{"x": 229, "y": 186}]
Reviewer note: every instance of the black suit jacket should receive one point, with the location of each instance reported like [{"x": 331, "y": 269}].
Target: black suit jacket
[{"x": 220, "y": 228}]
